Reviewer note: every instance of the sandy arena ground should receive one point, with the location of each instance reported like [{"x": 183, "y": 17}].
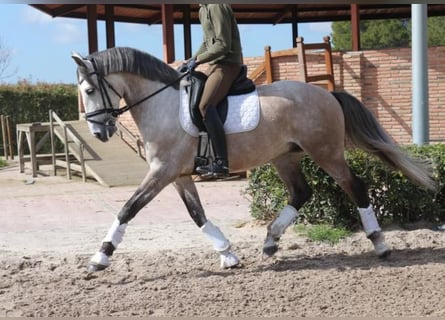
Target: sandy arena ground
[{"x": 165, "y": 267}]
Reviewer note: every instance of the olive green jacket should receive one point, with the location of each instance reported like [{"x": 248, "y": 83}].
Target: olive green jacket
[{"x": 221, "y": 40}]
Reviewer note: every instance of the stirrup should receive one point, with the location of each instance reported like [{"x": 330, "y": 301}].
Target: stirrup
[{"x": 217, "y": 169}]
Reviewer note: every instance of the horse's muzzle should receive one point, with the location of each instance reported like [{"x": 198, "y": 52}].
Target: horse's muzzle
[{"x": 103, "y": 132}]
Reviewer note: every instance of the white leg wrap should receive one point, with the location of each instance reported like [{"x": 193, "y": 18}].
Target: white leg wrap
[
  {"x": 100, "y": 258},
  {"x": 284, "y": 219},
  {"x": 219, "y": 241},
  {"x": 369, "y": 220},
  {"x": 116, "y": 233}
]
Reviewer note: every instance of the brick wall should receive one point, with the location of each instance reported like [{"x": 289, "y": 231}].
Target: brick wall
[{"x": 380, "y": 79}]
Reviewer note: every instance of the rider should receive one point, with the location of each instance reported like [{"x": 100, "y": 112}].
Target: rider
[{"x": 221, "y": 48}]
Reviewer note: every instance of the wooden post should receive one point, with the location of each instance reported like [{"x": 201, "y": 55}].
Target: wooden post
[
  {"x": 301, "y": 58},
  {"x": 3, "y": 125},
  {"x": 8, "y": 131},
  {"x": 268, "y": 64},
  {"x": 82, "y": 162},
  {"x": 31, "y": 138},
  {"x": 355, "y": 26},
  {"x": 67, "y": 153},
  {"x": 187, "y": 32},
  {"x": 92, "y": 28},
  {"x": 168, "y": 38},
  {"x": 328, "y": 62},
  {"x": 109, "y": 25},
  {"x": 294, "y": 25},
  {"x": 20, "y": 151},
  {"x": 53, "y": 143}
]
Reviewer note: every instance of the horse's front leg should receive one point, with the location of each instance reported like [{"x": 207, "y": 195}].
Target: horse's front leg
[
  {"x": 153, "y": 183},
  {"x": 188, "y": 193}
]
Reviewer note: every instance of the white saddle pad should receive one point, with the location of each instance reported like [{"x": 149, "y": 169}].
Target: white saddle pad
[{"x": 243, "y": 113}]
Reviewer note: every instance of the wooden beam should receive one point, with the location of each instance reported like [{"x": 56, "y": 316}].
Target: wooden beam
[
  {"x": 109, "y": 25},
  {"x": 65, "y": 9},
  {"x": 92, "y": 28},
  {"x": 155, "y": 19},
  {"x": 355, "y": 26},
  {"x": 168, "y": 38},
  {"x": 281, "y": 15}
]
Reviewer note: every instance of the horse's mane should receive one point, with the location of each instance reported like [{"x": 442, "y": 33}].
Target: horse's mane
[{"x": 123, "y": 59}]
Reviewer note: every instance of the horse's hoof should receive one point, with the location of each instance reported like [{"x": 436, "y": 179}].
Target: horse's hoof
[
  {"x": 380, "y": 247},
  {"x": 98, "y": 262},
  {"x": 229, "y": 260},
  {"x": 269, "y": 251},
  {"x": 270, "y": 247},
  {"x": 92, "y": 267},
  {"x": 385, "y": 254}
]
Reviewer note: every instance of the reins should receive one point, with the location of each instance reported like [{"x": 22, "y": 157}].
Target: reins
[{"x": 106, "y": 98}]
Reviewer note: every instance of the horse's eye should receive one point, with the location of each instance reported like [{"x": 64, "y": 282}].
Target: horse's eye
[{"x": 90, "y": 91}]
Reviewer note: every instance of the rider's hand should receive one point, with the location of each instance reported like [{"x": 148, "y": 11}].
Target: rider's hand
[{"x": 191, "y": 65}]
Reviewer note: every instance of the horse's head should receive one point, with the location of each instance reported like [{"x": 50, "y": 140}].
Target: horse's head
[{"x": 100, "y": 98}]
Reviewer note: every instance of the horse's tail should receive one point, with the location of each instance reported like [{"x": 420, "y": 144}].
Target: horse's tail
[{"x": 364, "y": 131}]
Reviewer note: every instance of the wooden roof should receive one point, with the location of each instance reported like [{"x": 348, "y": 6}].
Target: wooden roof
[
  {"x": 245, "y": 13},
  {"x": 187, "y": 14}
]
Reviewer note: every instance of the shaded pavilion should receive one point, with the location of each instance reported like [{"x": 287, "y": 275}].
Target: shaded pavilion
[{"x": 187, "y": 14}]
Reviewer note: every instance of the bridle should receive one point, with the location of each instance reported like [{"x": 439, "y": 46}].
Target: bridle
[{"x": 106, "y": 101}]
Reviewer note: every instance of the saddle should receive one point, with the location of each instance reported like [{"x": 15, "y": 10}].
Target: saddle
[{"x": 241, "y": 85}]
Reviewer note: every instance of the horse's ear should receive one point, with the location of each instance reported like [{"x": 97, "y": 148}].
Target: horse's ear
[{"x": 81, "y": 62}]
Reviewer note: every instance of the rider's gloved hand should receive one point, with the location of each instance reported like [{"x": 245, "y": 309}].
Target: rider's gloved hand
[{"x": 191, "y": 65}]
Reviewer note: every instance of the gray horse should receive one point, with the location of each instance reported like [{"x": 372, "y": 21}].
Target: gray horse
[{"x": 294, "y": 119}]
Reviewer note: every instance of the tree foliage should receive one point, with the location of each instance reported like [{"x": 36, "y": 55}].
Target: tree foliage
[
  {"x": 436, "y": 31},
  {"x": 388, "y": 33}
]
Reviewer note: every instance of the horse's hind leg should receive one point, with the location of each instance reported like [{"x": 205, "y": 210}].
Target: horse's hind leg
[
  {"x": 337, "y": 168},
  {"x": 188, "y": 193},
  {"x": 289, "y": 170},
  {"x": 359, "y": 192}
]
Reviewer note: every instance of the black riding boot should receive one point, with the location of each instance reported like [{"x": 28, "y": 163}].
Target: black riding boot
[{"x": 215, "y": 130}]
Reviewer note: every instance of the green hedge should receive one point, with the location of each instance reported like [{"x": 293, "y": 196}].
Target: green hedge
[
  {"x": 26, "y": 103},
  {"x": 395, "y": 199}
]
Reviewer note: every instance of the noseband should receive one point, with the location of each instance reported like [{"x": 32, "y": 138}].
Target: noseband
[{"x": 106, "y": 101}]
